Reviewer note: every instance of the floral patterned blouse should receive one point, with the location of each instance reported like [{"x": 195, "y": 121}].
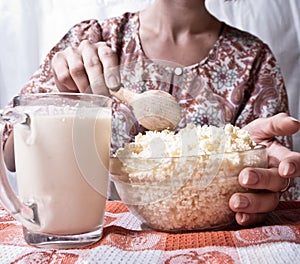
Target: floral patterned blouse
[{"x": 237, "y": 82}]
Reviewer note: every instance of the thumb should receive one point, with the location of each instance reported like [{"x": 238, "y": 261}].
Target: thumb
[{"x": 278, "y": 125}]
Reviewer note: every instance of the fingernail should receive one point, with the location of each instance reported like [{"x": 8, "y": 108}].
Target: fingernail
[
  {"x": 249, "y": 178},
  {"x": 288, "y": 169},
  {"x": 112, "y": 81},
  {"x": 245, "y": 218},
  {"x": 294, "y": 119},
  {"x": 240, "y": 202}
]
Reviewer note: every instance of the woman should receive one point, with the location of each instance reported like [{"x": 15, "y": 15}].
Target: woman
[{"x": 217, "y": 73}]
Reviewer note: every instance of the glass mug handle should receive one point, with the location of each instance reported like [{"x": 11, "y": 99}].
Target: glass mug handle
[{"x": 23, "y": 213}]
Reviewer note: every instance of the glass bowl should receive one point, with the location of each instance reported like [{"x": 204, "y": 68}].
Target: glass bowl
[{"x": 177, "y": 194}]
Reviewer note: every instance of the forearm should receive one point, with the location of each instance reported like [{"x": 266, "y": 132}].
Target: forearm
[{"x": 9, "y": 155}]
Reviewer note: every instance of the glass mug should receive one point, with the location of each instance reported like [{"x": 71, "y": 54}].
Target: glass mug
[{"x": 62, "y": 145}]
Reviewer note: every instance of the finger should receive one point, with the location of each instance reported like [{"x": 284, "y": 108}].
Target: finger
[
  {"x": 290, "y": 166},
  {"x": 253, "y": 203},
  {"x": 287, "y": 161},
  {"x": 110, "y": 65},
  {"x": 62, "y": 76},
  {"x": 277, "y": 125},
  {"x": 93, "y": 67},
  {"x": 77, "y": 70},
  {"x": 245, "y": 219},
  {"x": 262, "y": 179}
]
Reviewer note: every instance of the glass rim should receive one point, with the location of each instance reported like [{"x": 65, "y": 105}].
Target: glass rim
[
  {"x": 257, "y": 148},
  {"x": 80, "y": 96}
]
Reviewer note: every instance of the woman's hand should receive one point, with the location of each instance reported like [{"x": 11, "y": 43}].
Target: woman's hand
[
  {"x": 251, "y": 208},
  {"x": 90, "y": 68}
]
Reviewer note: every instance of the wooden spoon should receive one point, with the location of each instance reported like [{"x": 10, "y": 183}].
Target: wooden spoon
[{"x": 154, "y": 109}]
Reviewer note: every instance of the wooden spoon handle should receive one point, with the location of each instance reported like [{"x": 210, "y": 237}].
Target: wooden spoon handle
[{"x": 125, "y": 95}]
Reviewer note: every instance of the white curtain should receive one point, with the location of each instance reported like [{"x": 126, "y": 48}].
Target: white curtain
[{"x": 29, "y": 28}]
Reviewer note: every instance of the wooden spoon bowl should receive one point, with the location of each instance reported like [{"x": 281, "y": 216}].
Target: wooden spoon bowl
[{"x": 154, "y": 109}]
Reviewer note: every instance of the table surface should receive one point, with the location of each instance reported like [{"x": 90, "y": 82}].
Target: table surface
[{"x": 125, "y": 241}]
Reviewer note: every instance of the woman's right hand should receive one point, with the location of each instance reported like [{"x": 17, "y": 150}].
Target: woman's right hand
[{"x": 90, "y": 68}]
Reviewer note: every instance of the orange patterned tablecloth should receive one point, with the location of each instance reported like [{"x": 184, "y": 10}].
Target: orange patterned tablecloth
[{"x": 125, "y": 241}]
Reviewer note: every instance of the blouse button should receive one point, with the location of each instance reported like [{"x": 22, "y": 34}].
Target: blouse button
[{"x": 178, "y": 71}]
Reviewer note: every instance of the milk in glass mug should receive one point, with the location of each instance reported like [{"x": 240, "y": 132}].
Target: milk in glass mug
[{"x": 61, "y": 145}]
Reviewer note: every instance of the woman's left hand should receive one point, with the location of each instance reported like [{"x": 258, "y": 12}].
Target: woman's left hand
[{"x": 284, "y": 164}]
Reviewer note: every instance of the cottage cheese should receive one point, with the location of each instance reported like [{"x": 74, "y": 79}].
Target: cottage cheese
[{"x": 183, "y": 181}]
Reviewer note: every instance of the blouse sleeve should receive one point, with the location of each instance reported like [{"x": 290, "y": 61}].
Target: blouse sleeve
[{"x": 268, "y": 93}]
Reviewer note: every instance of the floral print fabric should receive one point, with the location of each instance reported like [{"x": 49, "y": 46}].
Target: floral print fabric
[{"x": 237, "y": 82}]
